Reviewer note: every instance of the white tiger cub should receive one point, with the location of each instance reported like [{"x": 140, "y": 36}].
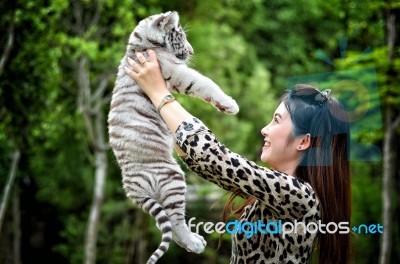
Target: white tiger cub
[{"x": 141, "y": 141}]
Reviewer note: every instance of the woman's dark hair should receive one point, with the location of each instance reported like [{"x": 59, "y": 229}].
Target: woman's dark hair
[{"x": 324, "y": 165}]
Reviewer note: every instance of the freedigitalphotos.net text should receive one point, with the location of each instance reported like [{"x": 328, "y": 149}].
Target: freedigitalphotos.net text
[{"x": 280, "y": 227}]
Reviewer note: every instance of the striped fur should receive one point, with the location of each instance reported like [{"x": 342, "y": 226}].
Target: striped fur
[{"x": 141, "y": 141}]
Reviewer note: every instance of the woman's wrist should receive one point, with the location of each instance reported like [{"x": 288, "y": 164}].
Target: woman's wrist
[
  {"x": 156, "y": 96},
  {"x": 166, "y": 100}
]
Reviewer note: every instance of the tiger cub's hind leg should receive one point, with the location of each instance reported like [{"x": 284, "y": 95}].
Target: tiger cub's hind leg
[{"x": 174, "y": 205}]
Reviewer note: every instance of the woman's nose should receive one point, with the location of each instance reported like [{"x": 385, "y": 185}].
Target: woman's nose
[{"x": 264, "y": 131}]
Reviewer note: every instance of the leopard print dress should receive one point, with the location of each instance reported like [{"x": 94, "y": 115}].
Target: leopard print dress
[{"x": 280, "y": 197}]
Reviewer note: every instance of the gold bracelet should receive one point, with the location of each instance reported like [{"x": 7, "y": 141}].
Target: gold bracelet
[{"x": 167, "y": 99}]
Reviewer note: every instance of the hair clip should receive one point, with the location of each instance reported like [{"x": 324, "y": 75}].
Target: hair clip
[{"x": 323, "y": 96}]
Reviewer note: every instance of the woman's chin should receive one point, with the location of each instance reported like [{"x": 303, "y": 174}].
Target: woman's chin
[{"x": 264, "y": 159}]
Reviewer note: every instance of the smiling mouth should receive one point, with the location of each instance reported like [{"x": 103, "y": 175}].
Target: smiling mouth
[{"x": 267, "y": 144}]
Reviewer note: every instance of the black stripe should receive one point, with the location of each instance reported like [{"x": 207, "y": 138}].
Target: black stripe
[
  {"x": 156, "y": 43},
  {"x": 157, "y": 211},
  {"x": 175, "y": 205},
  {"x": 133, "y": 183},
  {"x": 147, "y": 114},
  {"x": 144, "y": 200},
  {"x": 137, "y": 35},
  {"x": 116, "y": 103},
  {"x": 177, "y": 219},
  {"x": 166, "y": 229},
  {"x": 166, "y": 239},
  {"x": 177, "y": 188},
  {"x": 162, "y": 248},
  {"x": 162, "y": 183},
  {"x": 162, "y": 180},
  {"x": 115, "y": 135},
  {"x": 174, "y": 88},
  {"x": 150, "y": 206},
  {"x": 178, "y": 178},
  {"x": 162, "y": 219},
  {"x": 189, "y": 87}
]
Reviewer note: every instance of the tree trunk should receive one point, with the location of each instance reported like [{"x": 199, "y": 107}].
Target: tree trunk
[
  {"x": 90, "y": 103},
  {"x": 8, "y": 187},
  {"x": 388, "y": 154},
  {"x": 8, "y": 46},
  {"x": 94, "y": 217},
  {"x": 388, "y": 172},
  {"x": 386, "y": 245}
]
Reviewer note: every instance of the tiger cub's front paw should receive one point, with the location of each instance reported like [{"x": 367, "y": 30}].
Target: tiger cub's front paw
[{"x": 227, "y": 105}]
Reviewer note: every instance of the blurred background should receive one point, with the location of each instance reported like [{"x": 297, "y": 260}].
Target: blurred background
[{"x": 61, "y": 194}]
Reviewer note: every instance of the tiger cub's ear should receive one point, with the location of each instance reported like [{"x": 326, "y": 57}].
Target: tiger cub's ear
[{"x": 167, "y": 21}]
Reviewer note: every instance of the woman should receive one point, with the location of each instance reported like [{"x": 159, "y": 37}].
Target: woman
[{"x": 306, "y": 145}]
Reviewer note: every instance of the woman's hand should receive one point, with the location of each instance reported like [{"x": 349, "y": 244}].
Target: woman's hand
[{"x": 148, "y": 75}]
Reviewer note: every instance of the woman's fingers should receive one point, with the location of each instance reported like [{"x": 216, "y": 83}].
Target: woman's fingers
[
  {"x": 135, "y": 66},
  {"x": 146, "y": 72},
  {"x": 141, "y": 58},
  {"x": 152, "y": 56},
  {"x": 133, "y": 71}
]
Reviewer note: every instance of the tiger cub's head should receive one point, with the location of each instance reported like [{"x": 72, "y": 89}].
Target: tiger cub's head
[{"x": 162, "y": 31}]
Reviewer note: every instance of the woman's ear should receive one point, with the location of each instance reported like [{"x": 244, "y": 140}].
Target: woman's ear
[{"x": 305, "y": 142}]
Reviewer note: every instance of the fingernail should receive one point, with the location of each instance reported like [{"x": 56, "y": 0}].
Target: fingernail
[
  {"x": 126, "y": 68},
  {"x": 130, "y": 59}
]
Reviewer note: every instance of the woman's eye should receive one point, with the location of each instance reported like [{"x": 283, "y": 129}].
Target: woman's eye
[{"x": 275, "y": 120}]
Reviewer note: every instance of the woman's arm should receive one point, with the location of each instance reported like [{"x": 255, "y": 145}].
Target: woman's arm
[
  {"x": 284, "y": 195},
  {"x": 212, "y": 160}
]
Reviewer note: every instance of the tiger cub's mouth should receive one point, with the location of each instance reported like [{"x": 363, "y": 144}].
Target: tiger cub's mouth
[{"x": 182, "y": 56}]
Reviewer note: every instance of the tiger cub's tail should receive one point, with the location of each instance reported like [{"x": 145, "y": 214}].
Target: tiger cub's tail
[{"x": 154, "y": 208}]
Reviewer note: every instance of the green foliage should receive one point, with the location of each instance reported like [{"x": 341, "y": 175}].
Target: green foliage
[
  {"x": 74, "y": 227},
  {"x": 233, "y": 65},
  {"x": 366, "y": 209},
  {"x": 286, "y": 34}
]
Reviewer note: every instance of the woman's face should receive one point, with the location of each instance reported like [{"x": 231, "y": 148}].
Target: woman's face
[{"x": 279, "y": 151}]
